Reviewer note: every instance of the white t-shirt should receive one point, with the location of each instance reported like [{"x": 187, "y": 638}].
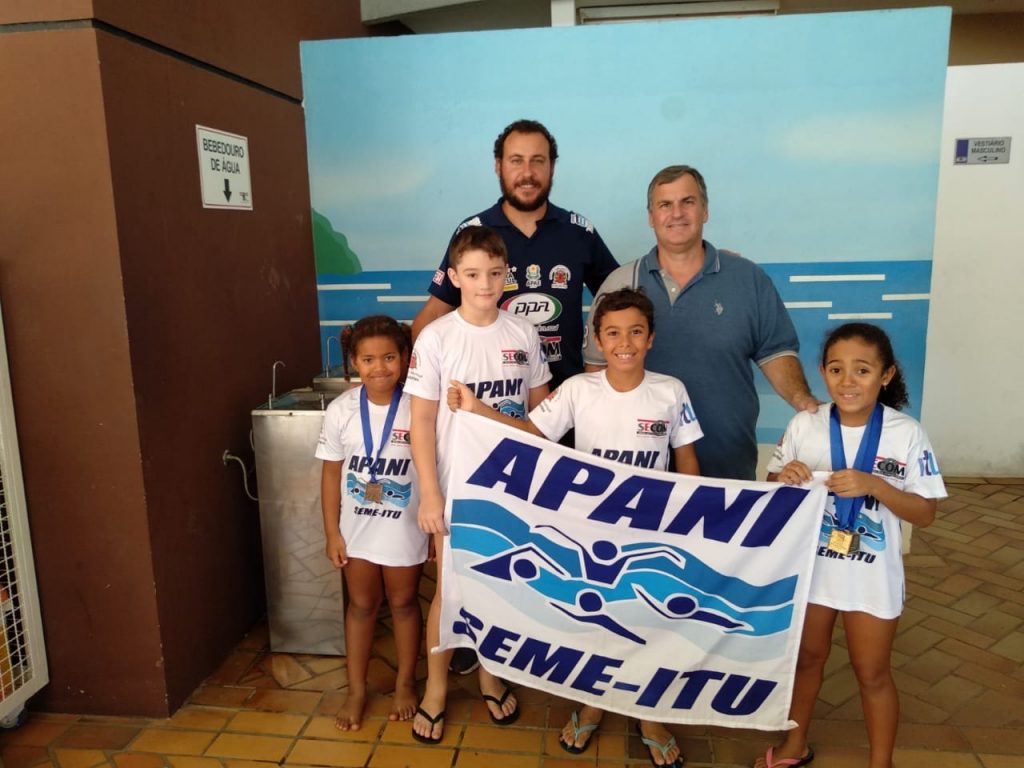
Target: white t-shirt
[
  {"x": 637, "y": 427},
  {"x": 500, "y": 362},
  {"x": 384, "y": 532},
  {"x": 871, "y": 579}
]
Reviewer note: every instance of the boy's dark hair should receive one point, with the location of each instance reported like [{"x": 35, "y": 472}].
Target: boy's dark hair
[
  {"x": 893, "y": 394},
  {"x": 375, "y": 325},
  {"x": 476, "y": 238},
  {"x": 525, "y": 126},
  {"x": 623, "y": 298}
]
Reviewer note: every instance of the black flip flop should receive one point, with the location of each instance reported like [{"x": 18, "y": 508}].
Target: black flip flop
[
  {"x": 507, "y": 719},
  {"x": 439, "y": 717}
]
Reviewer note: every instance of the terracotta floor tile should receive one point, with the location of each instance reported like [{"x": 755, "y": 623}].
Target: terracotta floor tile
[
  {"x": 283, "y": 701},
  {"x": 233, "y": 667},
  {"x": 79, "y": 758},
  {"x": 200, "y": 718},
  {"x": 471, "y": 759},
  {"x": 270, "y": 748},
  {"x": 16, "y": 756},
  {"x": 97, "y": 736},
  {"x": 34, "y": 733},
  {"x": 323, "y": 728},
  {"x": 136, "y": 760},
  {"x": 179, "y": 761},
  {"x": 568, "y": 761},
  {"x": 504, "y": 739},
  {"x": 1001, "y": 761},
  {"x": 220, "y": 696},
  {"x": 171, "y": 741},
  {"x": 929, "y": 758},
  {"x": 391, "y": 756},
  {"x": 270, "y": 723},
  {"x": 287, "y": 671},
  {"x": 249, "y": 764},
  {"x": 314, "y": 752}
]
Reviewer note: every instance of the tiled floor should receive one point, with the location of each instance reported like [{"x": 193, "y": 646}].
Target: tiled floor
[{"x": 959, "y": 662}]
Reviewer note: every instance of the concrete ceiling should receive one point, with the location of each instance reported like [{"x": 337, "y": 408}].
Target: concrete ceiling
[{"x": 432, "y": 16}]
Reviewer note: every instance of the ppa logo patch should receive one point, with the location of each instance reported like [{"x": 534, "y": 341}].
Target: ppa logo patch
[
  {"x": 514, "y": 357},
  {"x": 651, "y": 427},
  {"x": 400, "y": 437}
]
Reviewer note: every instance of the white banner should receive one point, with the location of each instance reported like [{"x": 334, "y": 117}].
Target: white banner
[{"x": 662, "y": 596}]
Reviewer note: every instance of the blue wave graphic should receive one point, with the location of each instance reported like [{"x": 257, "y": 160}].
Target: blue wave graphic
[
  {"x": 872, "y": 533},
  {"x": 393, "y": 493},
  {"x": 652, "y": 582}
]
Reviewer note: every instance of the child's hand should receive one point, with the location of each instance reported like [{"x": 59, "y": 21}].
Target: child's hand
[
  {"x": 461, "y": 397},
  {"x": 851, "y": 482},
  {"x": 337, "y": 552},
  {"x": 795, "y": 473},
  {"x": 431, "y": 514}
]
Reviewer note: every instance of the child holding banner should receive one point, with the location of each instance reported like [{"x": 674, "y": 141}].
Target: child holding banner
[
  {"x": 893, "y": 476},
  {"x": 623, "y": 413},
  {"x": 500, "y": 356},
  {"x": 369, "y": 522}
]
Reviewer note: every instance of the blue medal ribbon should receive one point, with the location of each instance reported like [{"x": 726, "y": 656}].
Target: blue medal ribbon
[
  {"x": 389, "y": 421},
  {"x": 847, "y": 508}
]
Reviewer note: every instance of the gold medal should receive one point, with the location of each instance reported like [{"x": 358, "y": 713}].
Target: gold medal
[
  {"x": 374, "y": 492},
  {"x": 843, "y": 542}
]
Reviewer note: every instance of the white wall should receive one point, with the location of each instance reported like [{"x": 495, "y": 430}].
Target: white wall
[{"x": 973, "y": 404}]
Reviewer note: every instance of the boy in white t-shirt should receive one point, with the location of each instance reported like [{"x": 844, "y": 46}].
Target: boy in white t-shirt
[
  {"x": 499, "y": 358},
  {"x": 623, "y": 413}
]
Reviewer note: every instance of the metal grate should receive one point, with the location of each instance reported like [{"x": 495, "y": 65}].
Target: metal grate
[{"x": 23, "y": 668}]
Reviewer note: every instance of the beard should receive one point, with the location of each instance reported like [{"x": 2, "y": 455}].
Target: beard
[{"x": 527, "y": 206}]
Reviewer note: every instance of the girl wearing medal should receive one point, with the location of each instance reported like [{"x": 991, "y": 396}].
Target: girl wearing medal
[
  {"x": 369, "y": 496},
  {"x": 883, "y": 471}
]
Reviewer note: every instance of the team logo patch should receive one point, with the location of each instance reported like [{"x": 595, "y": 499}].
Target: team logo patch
[
  {"x": 538, "y": 308},
  {"x": 687, "y": 416},
  {"x": 551, "y": 346},
  {"x": 511, "y": 283},
  {"x": 412, "y": 361},
  {"x": 719, "y": 309},
  {"x": 438, "y": 277},
  {"x": 929, "y": 466},
  {"x": 400, "y": 437},
  {"x": 514, "y": 357},
  {"x": 552, "y": 396},
  {"x": 559, "y": 277},
  {"x": 533, "y": 276},
  {"x": 651, "y": 427}
]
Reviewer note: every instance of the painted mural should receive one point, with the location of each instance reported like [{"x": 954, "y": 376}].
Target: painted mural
[{"x": 818, "y": 135}]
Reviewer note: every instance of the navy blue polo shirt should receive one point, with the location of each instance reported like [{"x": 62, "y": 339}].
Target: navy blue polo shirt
[{"x": 546, "y": 275}]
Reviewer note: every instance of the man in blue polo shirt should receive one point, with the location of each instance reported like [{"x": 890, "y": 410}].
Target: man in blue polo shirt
[
  {"x": 552, "y": 252},
  {"x": 716, "y": 312}
]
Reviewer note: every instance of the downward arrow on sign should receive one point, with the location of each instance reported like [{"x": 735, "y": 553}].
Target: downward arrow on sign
[{"x": 227, "y": 190}]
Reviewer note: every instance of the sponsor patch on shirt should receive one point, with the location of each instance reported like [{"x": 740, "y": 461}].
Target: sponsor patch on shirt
[
  {"x": 514, "y": 357},
  {"x": 511, "y": 283},
  {"x": 651, "y": 427},
  {"x": 438, "y": 277},
  {"x": 400, "y": 437},
  {"x": 533, "y": 276},
  {"x": 560, "y": 276}
]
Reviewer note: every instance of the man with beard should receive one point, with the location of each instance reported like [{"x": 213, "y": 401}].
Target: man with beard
[{"x": 552, "y": 252}]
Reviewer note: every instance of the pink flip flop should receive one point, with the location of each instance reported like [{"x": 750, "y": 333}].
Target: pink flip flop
[{"x": 771, "y": 762}]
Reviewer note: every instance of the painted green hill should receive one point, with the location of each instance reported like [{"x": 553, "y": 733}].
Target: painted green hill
[{"x": 331, "y": 251}]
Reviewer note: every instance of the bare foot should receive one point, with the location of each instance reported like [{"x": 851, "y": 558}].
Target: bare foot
[
  {"x": 350, "y": 716},
  {"x": 404, "y": 705},
  {"x": 578, "y": 734},
  {"x": 664, "y": 750}
]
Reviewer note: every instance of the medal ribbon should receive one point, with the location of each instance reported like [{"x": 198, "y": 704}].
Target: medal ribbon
[
  {"x": 847, "y": 508},
  {"x": 389, "y": 421}
]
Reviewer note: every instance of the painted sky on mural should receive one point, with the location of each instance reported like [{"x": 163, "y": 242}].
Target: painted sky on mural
[{"x": 818, "y": 134}]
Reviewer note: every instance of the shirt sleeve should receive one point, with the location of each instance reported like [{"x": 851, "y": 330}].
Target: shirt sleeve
[
  {"x": 554, "y": 416},
  {"x": 600, "y": 266},
  {"x": 424, "y": 376},
  {"x": 785, "y": 451},
  {"x": 775, "y": 332},
  {"x": 923, "y": 475},
  {"x": 330, "y": 447},
  {"x": 686, "y": 428},
  {"x": 619, "y": 278}
]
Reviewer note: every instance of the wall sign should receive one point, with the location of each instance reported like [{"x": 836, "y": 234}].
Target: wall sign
[
  {"x": 989, "y": 151},
  {"x": 223, "y": 169}
]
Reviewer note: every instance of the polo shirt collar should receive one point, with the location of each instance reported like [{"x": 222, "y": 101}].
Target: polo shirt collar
[
  {"x": 497, "y": 218},
  {"x": 712, "y": 261}
]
